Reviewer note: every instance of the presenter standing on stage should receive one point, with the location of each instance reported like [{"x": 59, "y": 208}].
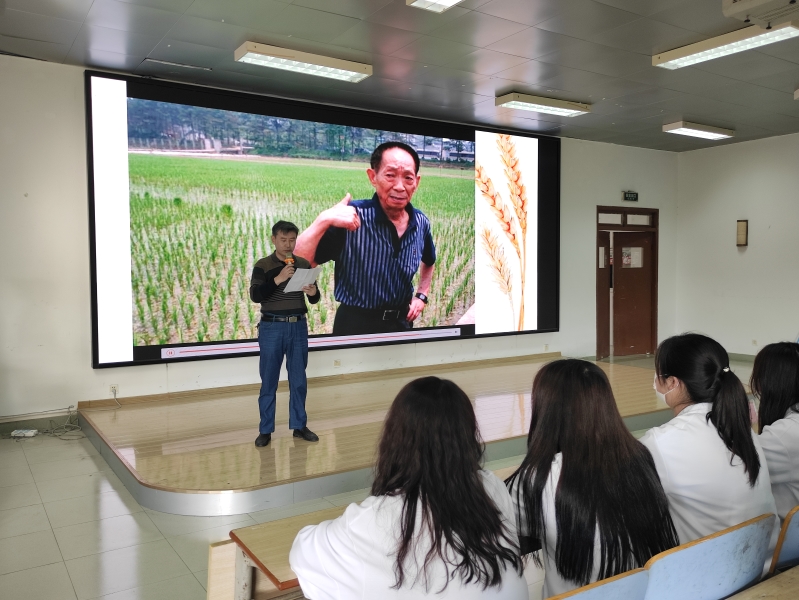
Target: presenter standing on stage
[
  {"x": 283, "y": 331},
  {"x": 378, "y": 246}
]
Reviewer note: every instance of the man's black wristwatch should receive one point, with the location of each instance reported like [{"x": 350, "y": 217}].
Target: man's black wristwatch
[{"x": 422, "y": 297}]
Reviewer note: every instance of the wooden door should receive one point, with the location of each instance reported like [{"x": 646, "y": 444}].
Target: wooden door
[
  {"x": 603, "y": 274},
  {"x": 634, "y": 293}
]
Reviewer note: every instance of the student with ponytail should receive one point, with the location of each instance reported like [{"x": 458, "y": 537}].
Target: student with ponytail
[
  {"x": 587, "y": 492},
  {"x": 775, "y": 381},
  {"x": 708, "y": 457}
]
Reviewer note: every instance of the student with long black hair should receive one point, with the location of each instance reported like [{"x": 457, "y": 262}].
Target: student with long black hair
[
  {"x": 435, "y": 525},
  {"x": 775, "y": 381},
  {"x": 708, "y": 457},
  {"x": 587, "y": 491}
]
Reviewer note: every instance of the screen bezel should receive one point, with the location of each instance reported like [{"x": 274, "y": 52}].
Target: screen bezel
[{"x": 549, "y": 156}]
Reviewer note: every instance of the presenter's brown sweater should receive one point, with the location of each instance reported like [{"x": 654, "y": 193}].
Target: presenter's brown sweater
[{"x": 273, "y": 298}]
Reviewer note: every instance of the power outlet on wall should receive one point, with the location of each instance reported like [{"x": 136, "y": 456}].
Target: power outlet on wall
[
  {"x": 546, "y": 347},
  {"x": 337, "y": 363},
  {"x": 754, "y": 342},
  {"x": 114, "y": 389}
]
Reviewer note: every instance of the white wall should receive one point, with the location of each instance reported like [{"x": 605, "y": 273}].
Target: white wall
[
  {"x": 744, "y": 297},
  {"x": 45, "y": 321}
]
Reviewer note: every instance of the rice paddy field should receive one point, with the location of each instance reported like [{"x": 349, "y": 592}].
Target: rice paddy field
[{"x": 199, "y": 224}]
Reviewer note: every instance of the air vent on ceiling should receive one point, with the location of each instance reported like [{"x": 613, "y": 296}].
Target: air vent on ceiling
[{"x": 761, "y": 12}]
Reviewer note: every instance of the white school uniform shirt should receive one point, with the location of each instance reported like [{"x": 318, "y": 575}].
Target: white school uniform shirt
[
  {"x": 780, "y": 442},
  {"x": 554, "y": 583},
  {"x": 353, "y": 557},
  {"x": 706, "y": 493}
]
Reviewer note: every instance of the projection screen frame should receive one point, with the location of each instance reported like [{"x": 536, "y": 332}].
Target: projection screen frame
[{"x": 549, "y": 158}]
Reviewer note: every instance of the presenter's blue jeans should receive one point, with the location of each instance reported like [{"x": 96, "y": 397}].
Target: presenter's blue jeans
[{"x": 276, "y": 340}]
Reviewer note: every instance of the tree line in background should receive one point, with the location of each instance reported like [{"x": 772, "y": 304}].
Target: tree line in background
[{"x": 164, "y": 125}]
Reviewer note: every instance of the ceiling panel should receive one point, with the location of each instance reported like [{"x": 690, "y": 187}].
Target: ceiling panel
[
  {"x": 447, "y": 66},
  {"x": 478, "y": 29},
  {"x": 531, "y": 43},
  {"x": 787, "y": 81},
  {"x": 94, "y": 57},
  {"x": 646, "y": 37},
  {"x": 486, "y": 62},
  {"x": 596, "y": 58},
  {"x": 358, "y": 9},
  {"x": 307, "y": 23},
  {"x": 75, "y": 10},
  {"x": 109, "y": 40},
  {"x": 191, "y": 54},
  {"x": 587, "y": 18},
  {"x": 746, "y": 65},
  {"x": 434, "y": 51},
  {"x": 703, "y": 17},
  {"x": 641, "y": 7},
  {"x": 33, "y": 48},
  {"x": 244, "y": 13},
  {"x": 375, "y": 38},
  {"x": 525, "y": 11},
  {"x": 41, "y": 28}
]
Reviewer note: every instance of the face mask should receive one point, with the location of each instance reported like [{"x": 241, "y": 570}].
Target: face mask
[{"x": 661, "y": 396}]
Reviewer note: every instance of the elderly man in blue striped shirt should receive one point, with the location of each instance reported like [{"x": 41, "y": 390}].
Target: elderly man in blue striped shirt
[{"x": 378, "y": 246}]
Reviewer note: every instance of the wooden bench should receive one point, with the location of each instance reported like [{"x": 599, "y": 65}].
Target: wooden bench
[
  {"x": 784, "y": 586},
  {"x": 266, "y": 548}
]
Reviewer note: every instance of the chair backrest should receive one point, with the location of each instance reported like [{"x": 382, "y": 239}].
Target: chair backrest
[
  {"x": 786, "y": 554},
  {"x": 712, "y": 567},
  {"x": 630, "y": 586}
]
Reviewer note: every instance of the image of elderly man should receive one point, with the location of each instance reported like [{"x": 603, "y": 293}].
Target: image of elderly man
[{"x": 378, "y": 246}]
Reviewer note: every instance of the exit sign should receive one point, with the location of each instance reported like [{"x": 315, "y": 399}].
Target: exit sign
[{"x": 629, "y": 196}]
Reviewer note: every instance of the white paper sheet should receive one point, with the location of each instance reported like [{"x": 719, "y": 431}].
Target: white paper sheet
[{"x": 301, "y": 278}]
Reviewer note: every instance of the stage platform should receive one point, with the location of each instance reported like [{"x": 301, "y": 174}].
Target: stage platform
[{"x": 193, "y": 453}]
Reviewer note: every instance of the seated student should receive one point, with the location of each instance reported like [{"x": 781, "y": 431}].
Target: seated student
[
  {"x": 435, "y": 525},
  {"x": 708, "y": 458},
  {"x": 775, "y": 381},
  {"x": 587, "y": 492}
]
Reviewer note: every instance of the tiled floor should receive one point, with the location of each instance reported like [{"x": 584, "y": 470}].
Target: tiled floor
[{"x": 70, "y": 530}]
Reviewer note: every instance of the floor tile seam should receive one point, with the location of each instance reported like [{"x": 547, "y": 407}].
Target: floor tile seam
[
  {"x": 107, "y": 469},
  {"x": 55, "y": 562},
  {"x": 59, "y": 459},
  {"x": 135, "y": 587},
  {"x": 93, "y": 494},
  {"x": 140, "y": 543}
]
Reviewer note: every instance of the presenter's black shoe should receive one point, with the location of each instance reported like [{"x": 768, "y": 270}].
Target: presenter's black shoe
[
  {"x": 263, "y": 439},
  {"x": 306, "y": 434}
]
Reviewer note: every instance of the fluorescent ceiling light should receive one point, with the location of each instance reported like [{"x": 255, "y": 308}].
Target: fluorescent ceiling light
[
  {"x": 796, "y": 94},
  {"x": 302, "y": 62},
  {"x": 701, "y": 131},
  {"x": 724, "y": 45},
  {"x": 437, "y": 6},
  {"x": 550, "y": 106},
  {"x": 174, "y": 64}
]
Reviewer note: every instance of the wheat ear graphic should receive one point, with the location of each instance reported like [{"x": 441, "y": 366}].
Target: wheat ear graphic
[
  {"x": 518, "y": 198},
  {"x": 499, "y": 264},
  {"x": 498, "y": 207}
]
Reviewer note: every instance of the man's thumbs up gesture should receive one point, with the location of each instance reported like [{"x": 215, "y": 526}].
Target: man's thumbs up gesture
[{"x": 343, "y": 215}]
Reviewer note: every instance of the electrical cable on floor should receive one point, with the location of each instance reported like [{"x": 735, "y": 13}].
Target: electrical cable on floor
[{"x": 69, "y": 430}]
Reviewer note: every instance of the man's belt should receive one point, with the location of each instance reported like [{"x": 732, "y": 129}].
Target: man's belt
[
  {"x": 282, "y": 319},
  {"x": 385, "y": 314}
]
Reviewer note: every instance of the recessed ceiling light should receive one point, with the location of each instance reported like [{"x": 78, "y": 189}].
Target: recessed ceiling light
[
  {"x": 724, "y": 45},
  {"x": 174, "y": 64},
  {"x": 706, "y": 132},
  {"x": 437, "y": 6},
  {"x": 540, "y": 104},
  {"x": 302, "y": 62}
]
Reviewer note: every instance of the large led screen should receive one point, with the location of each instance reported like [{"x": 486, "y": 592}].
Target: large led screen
[{"x": 186, "y": 184}]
